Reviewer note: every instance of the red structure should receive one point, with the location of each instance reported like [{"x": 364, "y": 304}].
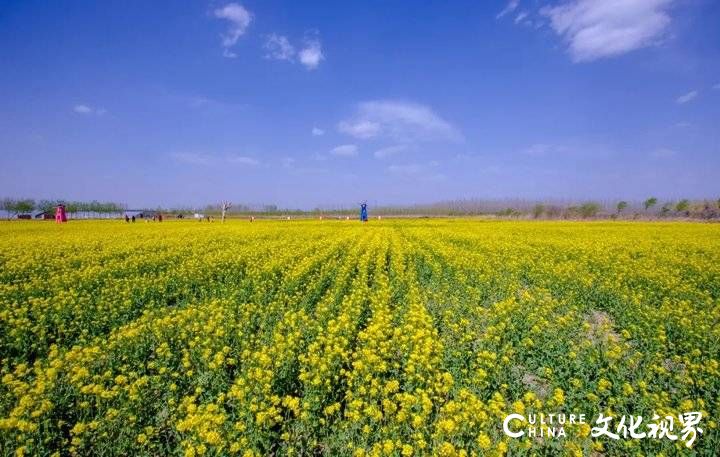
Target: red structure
[{"x": 60, "y": 215}]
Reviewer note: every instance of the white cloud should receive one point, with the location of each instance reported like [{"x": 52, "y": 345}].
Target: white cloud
[
  {"x": 509, "y": 8},
  {"x": 242, "y": 160},
  {"x": 316, "y": 131},
  {"x": 596, "y": 29},
  {"x": 360, "y": 129},
  {"x": 278, "y": 48},
  {"x": 239, "y": 19},
  {"x": 717, "y": 86},
  {"x": 287, "y": 162},
  {"x": 402, "y": 121},
  {"x": 311, "y": 54},
  {"x": 521, "y": 15},
  {"x": 345, "y": 150},
  {"x": 687, "y": 97},
  {"x": 389, "y": 151},
  {"x": 85, "y": 109}
]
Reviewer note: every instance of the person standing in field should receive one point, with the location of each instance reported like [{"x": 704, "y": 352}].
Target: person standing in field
[
  {"x": 60, "y": 215},
  {"x": 127, "y": 219},
  {"x": 133, "y": 219}
]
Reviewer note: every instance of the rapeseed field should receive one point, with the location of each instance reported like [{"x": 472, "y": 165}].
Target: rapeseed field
[{"x": 391, "y": 338}]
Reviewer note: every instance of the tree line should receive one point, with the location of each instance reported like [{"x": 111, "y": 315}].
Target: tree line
[
  {"x": 16, "y": 206},
  {"x": 516, "y": 208},
  {"x": 650, "y": 207}
]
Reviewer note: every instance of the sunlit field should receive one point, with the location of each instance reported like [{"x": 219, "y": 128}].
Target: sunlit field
[{"x": 395, "y": 337}]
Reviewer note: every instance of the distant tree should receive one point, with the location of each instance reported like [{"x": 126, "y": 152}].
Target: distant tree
[
  {"x": 589, "y": 209},
  {"x": 665, "y": 209},
  {"x": 14, "y": 207},
  {"x": 650, "y": 202},
  {"x": 683, "y": 206},
  {"x": 270, "y": 208},
  {"x": 708, "y": 211},
  {"x": 538, "y": 210},
  {"x": 224, "y": 206},
  {"x": 46, "y": 205},
  {"x": 25, "y": 206},
  {"x": 96, "y": 207},
  {"x": 553, "y": 211},
  {"x": 621, "y": 206},
  {"x": 571, "y": 212},
  {"x": 8, "y": 205},
  {"x": 113, "y": 207},
  {"x": 73, "y": 207}
]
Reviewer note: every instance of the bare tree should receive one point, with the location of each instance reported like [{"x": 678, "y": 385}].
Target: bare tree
[
  {"x": 225, "y": 205},
  {"x": 538, "y": 210}
]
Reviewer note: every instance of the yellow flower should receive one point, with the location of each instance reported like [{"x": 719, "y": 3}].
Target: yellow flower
[{"x": 484, "y": 441}]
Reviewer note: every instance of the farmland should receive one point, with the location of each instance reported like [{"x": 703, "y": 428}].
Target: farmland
[{"x": 408, "y": 337}]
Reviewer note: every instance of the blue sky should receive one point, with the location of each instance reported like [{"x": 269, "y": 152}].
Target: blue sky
[{"x": 330, "y": 103}]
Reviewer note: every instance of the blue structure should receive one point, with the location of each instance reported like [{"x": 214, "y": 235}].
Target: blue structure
[{"x": 363, "y": 212}]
